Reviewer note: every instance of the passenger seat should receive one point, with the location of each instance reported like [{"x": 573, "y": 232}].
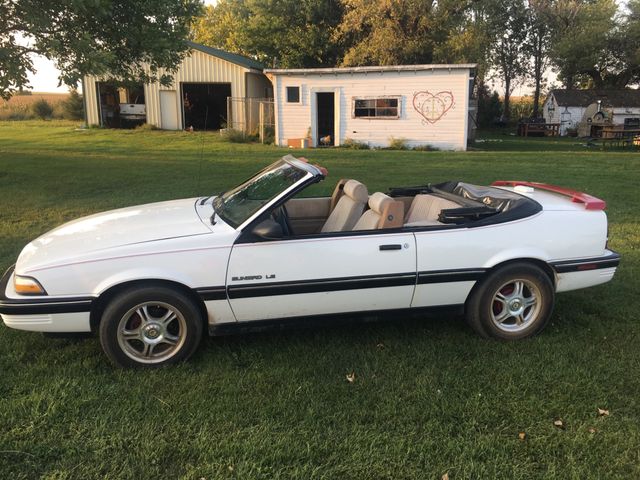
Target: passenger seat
[
  {"x": 348, "y": 209},
  {"x": 425, "y": 209},
  {"x": 384, "y": 212}
]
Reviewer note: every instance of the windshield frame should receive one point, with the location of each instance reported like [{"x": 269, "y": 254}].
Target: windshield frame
[{"x": 312, "y": 175}]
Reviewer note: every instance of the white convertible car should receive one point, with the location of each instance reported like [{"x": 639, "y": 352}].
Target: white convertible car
[{"x": 149, "y": 279}]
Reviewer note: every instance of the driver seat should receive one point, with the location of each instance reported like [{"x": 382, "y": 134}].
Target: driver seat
[{"x": 349, "y": 208}]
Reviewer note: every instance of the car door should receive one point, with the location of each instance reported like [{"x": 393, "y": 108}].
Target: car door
[
  {"x": 449, "y": 264},
  {"x": 343, "y": 272}
]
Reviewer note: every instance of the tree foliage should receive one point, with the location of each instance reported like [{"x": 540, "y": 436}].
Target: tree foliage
[
  {"x": 406, "y": 32},
  {"x": 129, "y": 41},
  {"x": 285, "y": 33}
]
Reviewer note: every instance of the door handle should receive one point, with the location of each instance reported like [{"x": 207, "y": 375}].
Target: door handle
[{"x": 392, "y": 246}]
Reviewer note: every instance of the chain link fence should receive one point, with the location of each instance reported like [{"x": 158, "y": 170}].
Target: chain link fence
[{"x": 254, "y": 117}]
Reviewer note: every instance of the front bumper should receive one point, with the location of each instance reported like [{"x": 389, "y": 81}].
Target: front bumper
[{"x": 43, "y": 314}]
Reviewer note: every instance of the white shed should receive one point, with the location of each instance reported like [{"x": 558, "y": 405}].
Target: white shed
[
  {"x": 197, "y": 98},
  {"x": 420, "y": 104},
  {"x": 568, "y": 107}
]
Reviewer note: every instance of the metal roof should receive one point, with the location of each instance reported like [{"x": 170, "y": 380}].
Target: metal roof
[
  {"x": 228, "y": 56},
  {"x": 380, "y": 69},
  {"x": 583, "y": 98}
]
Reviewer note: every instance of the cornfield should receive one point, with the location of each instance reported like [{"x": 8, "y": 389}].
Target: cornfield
[{"x": 18, "y": 107}]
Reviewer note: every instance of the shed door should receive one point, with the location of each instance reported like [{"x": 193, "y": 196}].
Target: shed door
[{"x": 169, "y": 110}]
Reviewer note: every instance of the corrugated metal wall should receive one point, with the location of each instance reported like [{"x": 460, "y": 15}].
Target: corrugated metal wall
[{"x": 197, "y": 68}]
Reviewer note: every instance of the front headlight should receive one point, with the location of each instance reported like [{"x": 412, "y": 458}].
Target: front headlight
[{"x": 27, "y": 286}]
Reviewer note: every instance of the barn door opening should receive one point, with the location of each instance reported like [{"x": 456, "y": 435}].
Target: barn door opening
[
  {"x": 326, "y": 118},
  {"x": 205, "y": 105},
  {"x": 119, "y": 106}
]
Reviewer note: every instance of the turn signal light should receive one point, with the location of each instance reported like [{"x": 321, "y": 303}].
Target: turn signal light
[{"x": 27, "y": 286}]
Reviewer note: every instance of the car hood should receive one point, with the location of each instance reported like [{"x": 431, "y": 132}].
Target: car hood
[{"x": 115, "y": 228}]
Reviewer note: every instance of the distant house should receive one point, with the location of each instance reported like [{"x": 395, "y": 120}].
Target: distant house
[
  {"x": 197, "y": 98},
  {"x": 420, "y": 104},
  {"x": 570, "y": 108}
]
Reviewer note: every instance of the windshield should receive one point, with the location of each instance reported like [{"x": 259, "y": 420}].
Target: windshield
[{"x": 241, "y": 202}]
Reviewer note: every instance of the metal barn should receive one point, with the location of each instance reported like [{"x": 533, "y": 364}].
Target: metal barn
[{"x": 197, "y": 98}]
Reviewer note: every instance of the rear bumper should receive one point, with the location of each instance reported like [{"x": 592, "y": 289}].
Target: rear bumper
[
  {"x": 585, "y": 272},
  {"x": 43, "y": 314}
]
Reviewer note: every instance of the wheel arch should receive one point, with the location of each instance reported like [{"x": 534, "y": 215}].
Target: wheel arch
[
  {"x": 101, "y": 302},
  {"x": 544, "y": 266}
]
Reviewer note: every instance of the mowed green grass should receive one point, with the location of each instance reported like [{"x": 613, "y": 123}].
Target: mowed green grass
[{"x": 429, "y": 396}]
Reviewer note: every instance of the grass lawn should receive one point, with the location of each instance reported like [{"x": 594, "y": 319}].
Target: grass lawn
[{"x": 433, "y": 399}]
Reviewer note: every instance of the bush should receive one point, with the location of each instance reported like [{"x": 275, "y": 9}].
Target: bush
[
  {"x": 354, "y": 144},
  {"x": 236, "y": 136},
  {"x": 426, "y": 148},
  {"x": 489, "y": 107},
  {"x": 73, "y": 106},
  {"x": 397, "y": 144},
  {"x": 42, "y": 109},
  {"x": 146, "y": 127}
]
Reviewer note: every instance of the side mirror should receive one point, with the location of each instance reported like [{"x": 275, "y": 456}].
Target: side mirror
[{"x": 268, "y": 229}]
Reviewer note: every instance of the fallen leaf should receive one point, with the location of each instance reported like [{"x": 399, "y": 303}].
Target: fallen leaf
[
  {"x": 351, "y": 377},
  {"x": 522, "y": 435},
  {"x": 559, "y": 423},
  {"x": 445, "y": 476},
  {"x": 592, "y": 430},
  {"x": 602, "y": 412}
]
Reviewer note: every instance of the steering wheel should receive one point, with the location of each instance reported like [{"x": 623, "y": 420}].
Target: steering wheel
[{"x": 281, "y": 216}]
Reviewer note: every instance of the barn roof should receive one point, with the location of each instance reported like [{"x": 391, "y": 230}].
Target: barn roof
[
  {"x": 228, "y": 56},
  {"x": 584, "y": 98}
]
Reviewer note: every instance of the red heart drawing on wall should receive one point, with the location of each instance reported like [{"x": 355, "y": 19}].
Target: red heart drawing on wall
[{"x": 432, "y": 106}]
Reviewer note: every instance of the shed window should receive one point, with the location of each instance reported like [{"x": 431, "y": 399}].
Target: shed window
[
  {"x": 293, "y": 94},
  {"x": 386, "y": 107}
]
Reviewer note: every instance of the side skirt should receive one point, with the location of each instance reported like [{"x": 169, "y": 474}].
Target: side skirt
[{"x": 334, "y": 319}]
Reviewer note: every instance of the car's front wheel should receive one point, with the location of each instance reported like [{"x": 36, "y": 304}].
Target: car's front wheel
[
  {"x": 513, "y": 302},
  {"x": 150, "y": 326}
]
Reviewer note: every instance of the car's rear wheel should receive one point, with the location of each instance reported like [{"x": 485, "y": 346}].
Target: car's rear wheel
[
  {"x": 513, "y": 302},
  {"x": 150, "y": 327}
]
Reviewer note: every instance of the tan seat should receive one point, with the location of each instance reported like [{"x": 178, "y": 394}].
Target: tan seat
[
  {"x": 384, "y": 212},
  {"x": 348, "y": 209},
  {"x": 426, "y": 208}
]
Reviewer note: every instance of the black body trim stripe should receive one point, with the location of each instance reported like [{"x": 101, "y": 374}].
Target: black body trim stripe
[
  {"x": 212, "y": 293},
  {"x": 329, "y": 319},
  {"x": 321, "y": 285},
  {"x": 448, "y": 276},
  {"x": 586, "y": 264},
  {"x": 61, "y": 306},
  {"x": 42, "y": 305}
]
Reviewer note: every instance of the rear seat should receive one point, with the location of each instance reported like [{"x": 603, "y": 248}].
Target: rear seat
[{"x": 425, "y": 209}]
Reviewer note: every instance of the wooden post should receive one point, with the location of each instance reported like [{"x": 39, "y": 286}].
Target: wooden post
[{"x": 261, "y": 119}]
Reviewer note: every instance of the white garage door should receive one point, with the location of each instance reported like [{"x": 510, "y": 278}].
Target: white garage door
[{"x": 168, "y": 110}]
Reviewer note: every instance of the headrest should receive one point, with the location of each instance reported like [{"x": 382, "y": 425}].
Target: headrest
[
  {"x": 356, "y": 190},
  {"x": 378, "y": 201}
]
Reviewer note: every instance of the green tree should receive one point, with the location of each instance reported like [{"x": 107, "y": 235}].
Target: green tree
[
  {"x": 286, "y": 33},
  {"x": 596, "y": 43},
  {"x": 396, "y": 32},
  {"x": 538, "y": 46},
  {"x": 73, "y": 106},
  {"x": 130, "y": 41},
  {"x": 507, "y": 25}
]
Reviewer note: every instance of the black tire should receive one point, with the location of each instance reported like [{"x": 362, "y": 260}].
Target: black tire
[
  {"x": 493, "y": 307},
  {"x": 141, "y": 319}
]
